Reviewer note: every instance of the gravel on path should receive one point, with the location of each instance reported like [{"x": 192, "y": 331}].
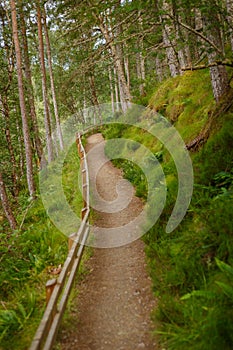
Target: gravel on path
[{"x": 115, "y": 300}]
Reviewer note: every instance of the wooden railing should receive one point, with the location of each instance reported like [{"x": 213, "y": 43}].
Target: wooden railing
[{"x": 58, "y": 290}]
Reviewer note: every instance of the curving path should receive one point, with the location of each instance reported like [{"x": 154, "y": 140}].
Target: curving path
[{"x": 112, "y": 310}]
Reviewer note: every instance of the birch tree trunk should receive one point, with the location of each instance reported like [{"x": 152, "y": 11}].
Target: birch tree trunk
[
  {"x": 26, "y": 134},
  {"x": 218, "y": 74},
  {"x": 169, "y": 42},
  {"x": 49, "y": 56},
  {"x": 6, "y": 205},
  {"x": 116, "y": 89},
  {"x": 170, "y": 52},
  {"x": 47, "y": 122},
  {"x": 127, "y": 73}
]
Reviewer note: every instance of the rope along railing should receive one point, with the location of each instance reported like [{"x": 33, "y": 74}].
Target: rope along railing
[{"x": 58, "y": 290}]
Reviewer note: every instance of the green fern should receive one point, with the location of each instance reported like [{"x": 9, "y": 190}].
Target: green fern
[
  {"x": 224, "y": 267},
  {"x": 199, "y": 293},
  {"x": 226, "y": 288}
]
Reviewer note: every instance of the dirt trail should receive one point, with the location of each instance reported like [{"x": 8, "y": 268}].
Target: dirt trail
[{"x": 115, "y": 298}]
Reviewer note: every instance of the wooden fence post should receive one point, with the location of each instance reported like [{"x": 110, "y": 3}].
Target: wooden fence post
[
  {"x": 49, "y": 289},
  {"x": 71, "y": 240},
  {"x": 83, "y": 213},
  {"x": 58, "y": 290}
]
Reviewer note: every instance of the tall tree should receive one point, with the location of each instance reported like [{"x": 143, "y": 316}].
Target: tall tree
[
  {"x": 30, "y": 92},
  {"x": 111, "y": 88},
  {"x": 219, "y": 77},
  {"x": 140, "y": 64},
  {"x": 169, "y": 39},
  {"x": 50, "y": 66},
  {"x": 47, "y": 117},
  {"x": 115, "y": 51},
  {"x": 7, "y": 78},
  {"x": 26, "y": 131}
]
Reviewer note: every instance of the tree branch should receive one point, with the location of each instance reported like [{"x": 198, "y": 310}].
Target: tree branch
[
  {"x": 195, "y": 32},
  {"x": 226, "y": 62}
]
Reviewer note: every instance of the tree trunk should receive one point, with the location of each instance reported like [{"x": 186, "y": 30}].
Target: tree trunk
[
  {"x": 117, "y": 61},
  {"x": 118, "y": 56},
  {"x": 218, "y": 74},
  {"x": 219, "y": 80},
  {"x": 58, "y": 125},
  {"x": 190, "y": 46},
  {"x": 111, "y": 88},
  {"x": 84, "y": 106},
  {"x": 6, "y": 115},
  {"x": 116, "y": 89},
  {"x": 140, "y": 69},
  {"x": 181, "y": 37},
  {"x": 121, "y": 94},
  {"x": 6, "y": 205},
  {"x": 28, "y": 75},
  {"x": 197, "y": 42},
  {"x": 126, "y": 64},
  {"x": 229, "y": 5},
  {"x": 181, "y": 47},
  {"x": 94, "y": 97},
  {"x": 159, "y": 69},
  {"x": 21, "y": 160},
  {"x": 47, "y": 122},
  {"x": 140, "y": 61},
  {"x": 26, "y": 134},
  {"x": 5, "y": 107},
  {"x": 170, "y": 52},
  {"x": 169, "y": 42},
  {"x": 143, "y": 71},
  {"x": 93, "y": 91}
]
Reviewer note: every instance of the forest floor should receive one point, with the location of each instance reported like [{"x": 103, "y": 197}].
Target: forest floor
[{"x": 114, "y": 302}]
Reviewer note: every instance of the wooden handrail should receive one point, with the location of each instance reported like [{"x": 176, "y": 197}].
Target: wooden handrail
[{"x": 59, "y": 290}]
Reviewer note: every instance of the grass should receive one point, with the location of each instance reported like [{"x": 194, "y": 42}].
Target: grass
[{"x": 27, "y": 259}]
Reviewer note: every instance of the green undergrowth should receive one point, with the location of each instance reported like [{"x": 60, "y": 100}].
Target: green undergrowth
[
  {"x": 191, "y": 267},
  {"x": 28, "y": 259},
  {"x": 185, "y": 101}
]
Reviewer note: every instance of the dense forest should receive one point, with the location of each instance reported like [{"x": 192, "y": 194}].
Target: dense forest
[{"x": 58, "y": 58}]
